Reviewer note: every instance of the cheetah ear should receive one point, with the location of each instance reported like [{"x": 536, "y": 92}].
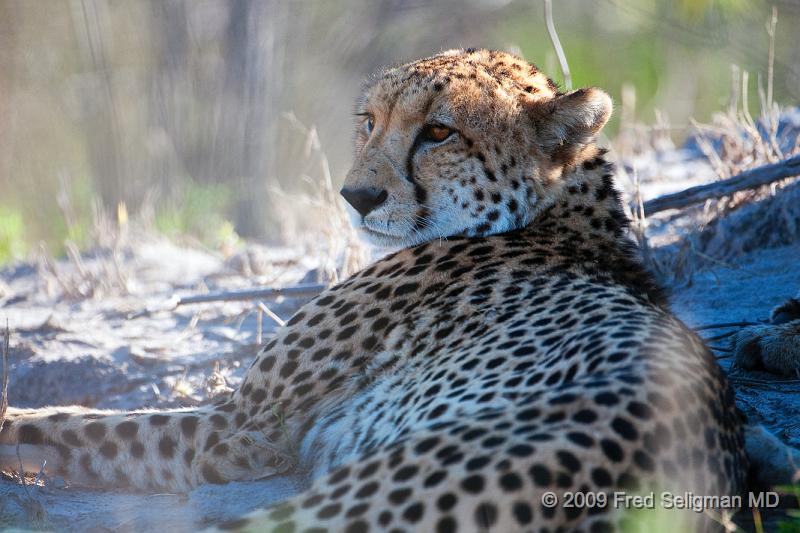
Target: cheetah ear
[{"x": 570, "y": 121}]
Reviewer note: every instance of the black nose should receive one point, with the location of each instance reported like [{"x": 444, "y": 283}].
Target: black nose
[{"x": 365, "y": 199}]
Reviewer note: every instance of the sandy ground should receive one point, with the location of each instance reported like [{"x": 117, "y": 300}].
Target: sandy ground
[
  {"x": 748, "y": 292},
  {"x": 128, "y": 347},
  {"x": 102, "y": 332}
]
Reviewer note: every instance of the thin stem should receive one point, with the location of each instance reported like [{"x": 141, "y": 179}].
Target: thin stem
[
  {"x": 551, "y": 30},
  {"x": 4, "y": 389},
  {"x": 771, "y": 66}
]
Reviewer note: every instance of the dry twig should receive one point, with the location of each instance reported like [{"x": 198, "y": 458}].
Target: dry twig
[
  {"x": 771, "y": 24},
  {"x": 22, "y": 473},
  {"x": 267, "y": 311},
  {"x": 4, "y": 391},
  {"x": 262, "y": 309},
  {"x": 719, "y": 337}
]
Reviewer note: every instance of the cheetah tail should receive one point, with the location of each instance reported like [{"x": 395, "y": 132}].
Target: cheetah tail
[{"x": 153, "y": 450}]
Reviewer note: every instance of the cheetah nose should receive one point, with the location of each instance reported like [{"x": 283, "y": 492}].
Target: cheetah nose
[{"x": 364, "y": 199}]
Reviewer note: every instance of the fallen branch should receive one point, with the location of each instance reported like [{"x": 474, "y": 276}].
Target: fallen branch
[
  {"x": 300, "y": 291},
  {"x": 749, "y": 179}
]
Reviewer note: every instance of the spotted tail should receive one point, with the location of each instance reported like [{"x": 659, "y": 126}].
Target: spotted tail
[{"x": 157, "y": 450}]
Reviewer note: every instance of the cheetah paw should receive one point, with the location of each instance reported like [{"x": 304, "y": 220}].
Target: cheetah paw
[
  {"x": 245, "y": 456},
  {"x": 772, "y": 347}
]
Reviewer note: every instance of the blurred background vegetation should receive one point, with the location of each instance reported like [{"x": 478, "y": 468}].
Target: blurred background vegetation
[{"x": 199, "y": 112}]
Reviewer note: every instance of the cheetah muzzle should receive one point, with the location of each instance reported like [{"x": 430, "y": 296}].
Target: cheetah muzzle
[{"x": 513, "y": 346}]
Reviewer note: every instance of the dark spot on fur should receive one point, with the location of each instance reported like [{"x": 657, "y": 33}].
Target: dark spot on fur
[
  {"x": 166, "y": 447},
  {"x": 189, "y": 426},
  {"x": 127, "y": 430},
  {"x": 30, "y": 434},
  {"x": 158, "y": 420},
  {"x": 211, "y": 475},
  {"x": 137, "y": 449},
  {"x": 108, "y": 450},
  {"x": 95, "y": 431}
]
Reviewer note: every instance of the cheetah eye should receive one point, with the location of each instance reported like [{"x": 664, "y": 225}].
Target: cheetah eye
[{"x": 437, "y": 133}]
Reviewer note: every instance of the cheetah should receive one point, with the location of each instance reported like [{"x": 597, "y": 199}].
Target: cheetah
[{"x": 513, "y": 347}]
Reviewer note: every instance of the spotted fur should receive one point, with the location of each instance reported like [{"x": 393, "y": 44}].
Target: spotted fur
[{"x": 513, "y": 346}]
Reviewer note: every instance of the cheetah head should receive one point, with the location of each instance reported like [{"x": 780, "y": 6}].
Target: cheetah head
[{"x": 468, "y": 142}]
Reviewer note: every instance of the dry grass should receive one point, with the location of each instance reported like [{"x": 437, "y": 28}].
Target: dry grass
[
  {"x": 734, "y": 142},
  {"x": 634, "y": 137},
  {"x": 721, "y": 230},
  {"x": 4, "y": 349},
  {"x": 327, "y": 232},
  {"x": 104, "y": 276}
]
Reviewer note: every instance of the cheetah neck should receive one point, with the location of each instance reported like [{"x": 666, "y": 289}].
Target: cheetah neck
[
  {"x": 584, "y": 223},
  {"x": 582, "y": 198}
]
